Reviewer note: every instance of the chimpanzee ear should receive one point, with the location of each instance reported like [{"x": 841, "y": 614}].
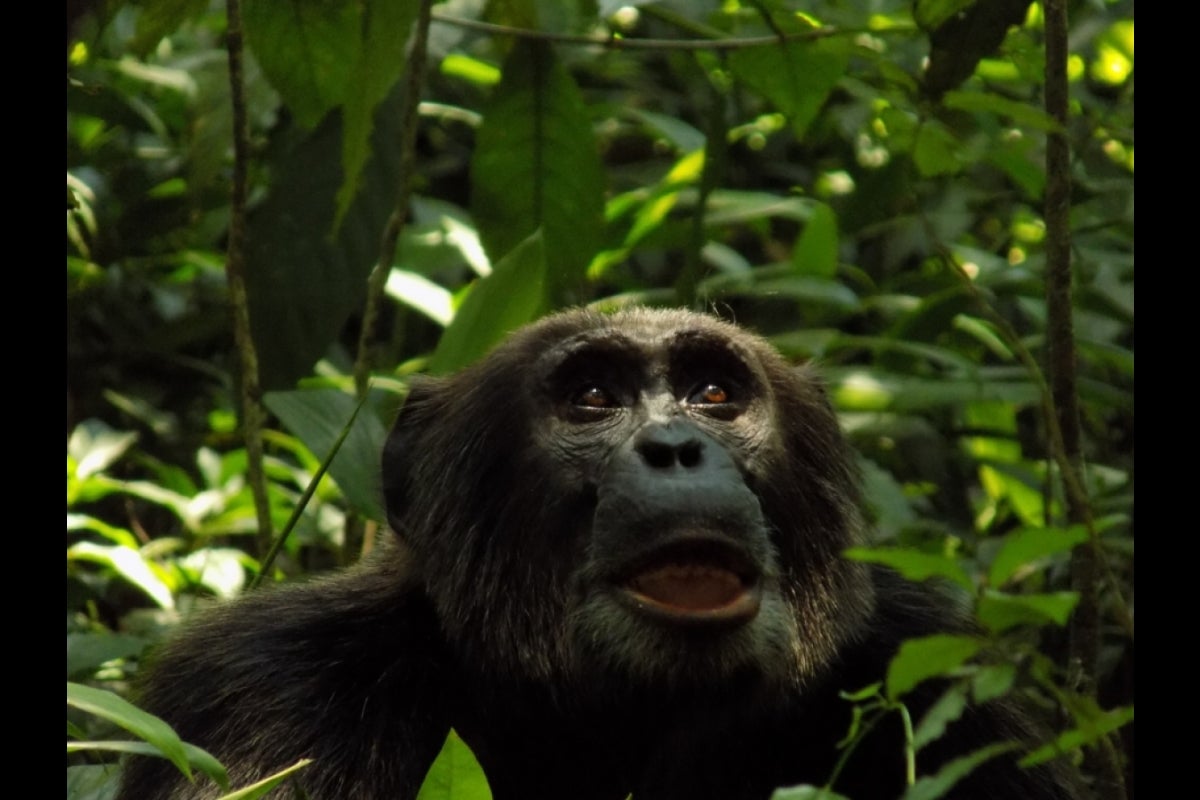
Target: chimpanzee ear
[{"x": 404, "y": 448}]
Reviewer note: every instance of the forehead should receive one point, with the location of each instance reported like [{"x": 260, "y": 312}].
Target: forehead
[{"x": 650, "y": 336}]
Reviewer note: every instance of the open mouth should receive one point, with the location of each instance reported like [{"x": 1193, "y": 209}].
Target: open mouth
[{"x": 694, "y": 581}]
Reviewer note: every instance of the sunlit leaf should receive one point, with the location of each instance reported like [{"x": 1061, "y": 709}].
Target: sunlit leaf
[
  {"x": 129, "y": 564},
  {"x": 510, "y": 297},
  {"x": 455, "y": 774}
]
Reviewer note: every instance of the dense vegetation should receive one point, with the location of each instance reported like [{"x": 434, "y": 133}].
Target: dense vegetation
[{"x": 934, "y": 200}]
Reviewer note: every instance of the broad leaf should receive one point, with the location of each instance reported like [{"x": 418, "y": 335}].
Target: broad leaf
[
  {"x": 455, "y": 774},
  {"x": 511, "y": 296},
  {"x": 928, "y": 657},
  {"x": 304, "y": 281},
  {"x": 536, "y": 167},
  {"x": 914, "y": 564},
  {"x": 999, "y": 612},
  {"x": 797, "y": 76},
  {"x": 317, "y": 417},
  {"x": 307, "y": 50}
]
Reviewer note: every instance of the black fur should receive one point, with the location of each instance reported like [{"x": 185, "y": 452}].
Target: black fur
[{"x": 532, "y": 494}]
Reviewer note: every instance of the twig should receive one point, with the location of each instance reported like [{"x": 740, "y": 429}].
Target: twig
[
  {"x": 377, "y": 281},
  {"x": 620, "y": 43},
  {"x": 235, "y": 273}
]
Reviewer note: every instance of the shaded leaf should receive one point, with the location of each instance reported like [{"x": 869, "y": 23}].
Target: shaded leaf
[
  {"x": 816, "y": 251},
  {"x": 928, "y": 657},
  {"x": 380, "y": 61},
  {"x": 317, "y": 417},
  {"x": 949, "y": 707},
  {"x": 1028, "y": 545},
  {"x": 914, "y": 564},
  {"x": 999, "y": 612},
  {"x": 806, "y": 792},
  {"x": 307, "y": 51},
  {"x": 1024, "y": 114},
  {"x": 87, "y": 651},
  {"x": 1089, "y": 731},
  {"x": 992, "y": 681},
  {"x": 797, "y": 76},
  {"x": 935, "y": 786},
  {"x": 302, "y": 280},
  {"x": 536, "y": 166}
]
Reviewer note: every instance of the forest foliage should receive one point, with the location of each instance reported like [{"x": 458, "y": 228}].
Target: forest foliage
[{"x": 863, "y": 182}]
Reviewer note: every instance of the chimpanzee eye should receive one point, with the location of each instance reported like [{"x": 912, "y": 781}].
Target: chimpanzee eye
[
  {"x": 593, "y": 397},
  {"x": 709, "y": 394}
]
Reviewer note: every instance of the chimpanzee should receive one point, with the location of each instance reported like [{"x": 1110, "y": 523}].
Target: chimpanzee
[{"x": 616, "y": 566}]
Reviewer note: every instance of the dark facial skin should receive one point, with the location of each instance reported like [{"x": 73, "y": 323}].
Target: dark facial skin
[{"x": 616, "y": 568}]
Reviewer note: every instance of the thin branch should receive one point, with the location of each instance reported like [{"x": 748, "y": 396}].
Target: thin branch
[
  {"x": 1084, "y": 632},
  {"x": 235, "y": 272},
  {"x": 616, "y": 42},
  {"x": 377, "y": 281}
]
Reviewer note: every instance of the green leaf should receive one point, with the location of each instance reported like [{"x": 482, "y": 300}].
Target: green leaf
[
  {"x": 931, "y": 14},
  {"x": 93, "y": 781},
  {"x": 816, "y": 251},
  {"x": 317, "y": 417},
  {"x": 1092, "y": 729},
  {"x": 806, "y": 792},
  {"x": 455, "y": 774},
  {"x": 936, "y": 151},
  {"x": 859, "y": 390},
  {"x": 1027, "y": 546},
  {"x": 304, "y": 281},
  {"x": 196, "y": 757},
  {"x": 949, "y": 707},
  {"x": 928, "y": 657},
  {"x": 495, "y": 306},
  {"x": 992, "y": 681},
  {"x": 121, "y": 712},
  {"x": 536, "y": 166},
  {"x": 379, "y": 63},
  {"x": 1023, "y": 114},
  {"x": 935, "y": 786},
  {"x": 95, "y": 446},
  {"x": 797, "y": 76},
  {"x": 129, "y": 564},
  {"x": 914, "y": 564},
  {"x": 307, "y": 51},
  {"x": 999, "y": 611},
  {"x": 260, "y": 788},
  {"x": 87, "y": 651}
]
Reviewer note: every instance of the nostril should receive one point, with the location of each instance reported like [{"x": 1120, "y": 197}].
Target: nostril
[
  {"x": 689, "y": 454},
  {"x": 657, "y": 454},
  {"x": 662, "y": 455}
]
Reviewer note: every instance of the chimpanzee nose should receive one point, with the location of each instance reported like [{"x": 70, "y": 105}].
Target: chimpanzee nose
[{"x": 663, "y": 446}]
